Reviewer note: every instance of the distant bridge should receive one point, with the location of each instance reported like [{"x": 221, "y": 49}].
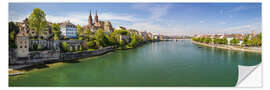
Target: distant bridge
[{"x": 175, "y": 39}]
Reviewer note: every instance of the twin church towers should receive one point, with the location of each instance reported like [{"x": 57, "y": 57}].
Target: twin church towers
[{"x": 106, "y": 26}]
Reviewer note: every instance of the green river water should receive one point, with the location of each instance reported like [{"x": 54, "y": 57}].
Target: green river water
[{"x": 165, "y": 63}]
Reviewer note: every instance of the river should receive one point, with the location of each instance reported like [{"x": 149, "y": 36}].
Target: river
[{"x": 165, "y": 63}]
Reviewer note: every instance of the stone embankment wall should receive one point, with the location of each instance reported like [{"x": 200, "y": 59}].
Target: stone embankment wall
[
  {"x": 55, "y": 55},
  {"x": 84, "y": 54},
  {"x": 230, "y": 47}
]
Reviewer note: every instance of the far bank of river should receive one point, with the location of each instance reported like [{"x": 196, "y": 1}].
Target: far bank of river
[{"x": 230, "y": 47}]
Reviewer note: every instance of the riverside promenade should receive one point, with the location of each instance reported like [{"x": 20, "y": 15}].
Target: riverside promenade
[{"x": 230, "y": 47}]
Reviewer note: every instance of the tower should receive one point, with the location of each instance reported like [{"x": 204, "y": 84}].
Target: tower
[
  {"x": 96, "y": 18},
  {"x": 90, "y": 20}
]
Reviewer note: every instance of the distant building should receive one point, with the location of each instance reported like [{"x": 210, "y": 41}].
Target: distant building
[
  {"x": 121, "y": 27},
  {"x": 108, "y": 26},
  {"x": 22, "y": 41},
  {"x": 156, "y": 37},
  {"x": 68, "y": 29}
]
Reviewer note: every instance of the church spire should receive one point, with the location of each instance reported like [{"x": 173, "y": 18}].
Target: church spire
[
  {"x": 90, "y": 19},
  {"x": 96, "y": 17}
]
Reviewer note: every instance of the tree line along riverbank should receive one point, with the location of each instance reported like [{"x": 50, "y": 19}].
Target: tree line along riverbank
[{"x": 230, "y": 47}]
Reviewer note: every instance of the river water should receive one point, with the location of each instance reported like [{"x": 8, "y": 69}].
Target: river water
[{"x": 165, "y": 63}]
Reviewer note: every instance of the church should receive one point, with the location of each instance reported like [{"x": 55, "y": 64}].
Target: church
[{"x": 106, "y": 26}]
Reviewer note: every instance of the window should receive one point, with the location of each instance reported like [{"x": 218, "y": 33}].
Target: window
[
  {"x": 20, "y": 46},
  {"x": 25, "y": 46}
]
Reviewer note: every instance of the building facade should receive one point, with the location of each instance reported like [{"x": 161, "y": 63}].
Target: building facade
[
  {"x": 22, "y": 41},
  {"x": 97, "y": 24},
  {"x": 68, "y": 29}
]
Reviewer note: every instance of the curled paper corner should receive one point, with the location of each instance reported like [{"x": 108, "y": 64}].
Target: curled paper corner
[{"x": 249, "y": 76}]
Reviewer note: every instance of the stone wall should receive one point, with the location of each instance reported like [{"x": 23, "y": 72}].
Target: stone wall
[
  {"x": 54, "y": 44},
  {"x": 46, "y": 54},
  {"x": 84, "y": 54}
]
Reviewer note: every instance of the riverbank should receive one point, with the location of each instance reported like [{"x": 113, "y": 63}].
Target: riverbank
[
  {"x": 66, "y": 57},
  {"x": 229, "y": 47}
]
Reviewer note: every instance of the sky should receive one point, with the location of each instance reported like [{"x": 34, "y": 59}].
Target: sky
[{"x": 158, "y": 18}]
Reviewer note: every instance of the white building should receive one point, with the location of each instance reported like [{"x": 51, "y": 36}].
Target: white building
[
  {"x": 22, "y": 41},
  {"x": 68, "y": 29}
]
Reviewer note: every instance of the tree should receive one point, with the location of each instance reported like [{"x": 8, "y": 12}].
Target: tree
[
  {"x": 113, "y": 39},
  {"x": 79, "y": 30},
  {"x": 39, "y": 47},
  {"x": 64, "y": 46},
  {"x": 121, "y": 32},
  {"x": 134, "y": 40},
  {"x": 245, "y": 40},
  {"x": 100, "y": 38},
  {"x": 81, "y": 48},
  {"x": 234, "y": 41},
  {"x": 121, "y": 43},
  {"x": 13, "y": 30},
  {"x": 207, "y": 40},
  {"x": 91, "y": 44},
  {"x": 37, "y": 21},
  {"x": 70, "y": 49},
  {"x": 255, "y": 41},
  {"x": 85, "y": 45},
  {"x": 56, "y": 31},
  {"x": 259, "y": 36}
]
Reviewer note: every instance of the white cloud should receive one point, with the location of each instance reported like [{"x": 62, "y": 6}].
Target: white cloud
[
  {"x": 236, "y": 9},
  {"x": 159, "y": 29},
  {"x": 201, "y": 21},
  {"x": 80, "y": 18},
  {"x": 113, "y": 16},
  {"x": 222, "y": 22},
  {"x": 242, "y": 28}
]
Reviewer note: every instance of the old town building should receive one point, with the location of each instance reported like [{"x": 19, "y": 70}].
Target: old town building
[
  {"x": 24, "y": 27},
  {"x": 22, "y": 41},
  {"x": 68, "y": 29}
]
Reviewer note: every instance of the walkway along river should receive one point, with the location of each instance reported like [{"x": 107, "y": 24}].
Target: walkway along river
[{"x": 165, "y": 63}]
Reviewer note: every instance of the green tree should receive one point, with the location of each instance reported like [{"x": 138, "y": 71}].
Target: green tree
[
  {"x": 224, "y": 41},
  {"x": 207, "y": 40},
  {"x": 81, "y": 48},
  {"x": 91, "y": 44},
  {"x": 121, "y": 32},
  {"x": 13, "y": 30},
  {"x": 64, "y": 46},
  {"x": 100, "y": 38},
  {"x": 79, "y": 30},
  {"x": 234, "y": 41},
  {"x": 39, "y": 47},
  {"x": 70, "y": 49},
  {"x": 121, "y": 43},
  {"x": 37, "y": 21},
  {"x": 245, "y": 40},
  {"x": 56, "y": 31},
  {"x": 259, "y": 42}
]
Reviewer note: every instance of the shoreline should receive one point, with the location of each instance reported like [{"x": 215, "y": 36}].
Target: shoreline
[
  {"x": 22, "y": 69},
  {"x": 229, "y": 47}
]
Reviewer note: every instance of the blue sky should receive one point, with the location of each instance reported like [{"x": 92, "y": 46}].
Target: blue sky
[{"x": 158, "y": 18}]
